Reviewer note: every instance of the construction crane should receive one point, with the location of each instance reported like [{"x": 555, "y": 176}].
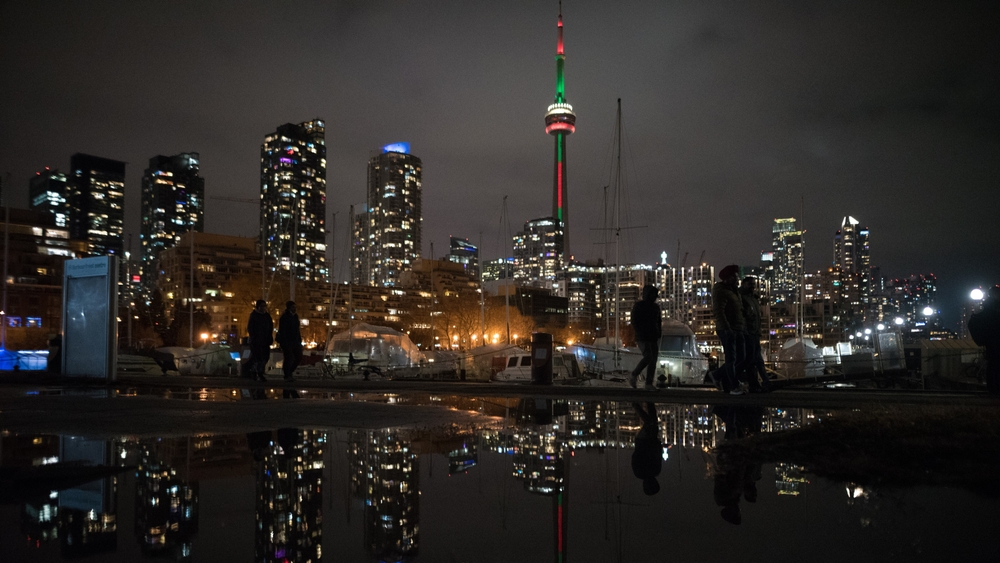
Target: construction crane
[
  {"x": 684, "y": 260},
  {"x": 701, "y": 260}
]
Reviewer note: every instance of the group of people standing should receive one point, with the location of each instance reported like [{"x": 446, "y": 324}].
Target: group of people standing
[
  {"x": 738, "y": 325},
  {"x": 260, "y": 327}
]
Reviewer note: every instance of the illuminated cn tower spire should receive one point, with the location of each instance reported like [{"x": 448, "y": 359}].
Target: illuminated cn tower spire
[{"x": 560, "y": 121}]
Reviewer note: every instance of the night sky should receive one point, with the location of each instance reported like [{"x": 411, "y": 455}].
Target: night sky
[{"x": 735, "y": 113}]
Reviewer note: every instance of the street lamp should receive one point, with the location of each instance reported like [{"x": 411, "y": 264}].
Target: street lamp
[
  {"x": 880, "y": 326},
  {"x": 977, "y": 294},
  {"x": 204, "y": 336},
  {"x": 868, "y": 331},
  {"x": 928, "y": 311},
  {"x": 898, "y": 321}
]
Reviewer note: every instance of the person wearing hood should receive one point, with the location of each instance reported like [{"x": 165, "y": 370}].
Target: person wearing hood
[
  {"x": 260, "y": 327},
  {"x": 729, "y": 326},
  {"x": 647, "y": 321}
]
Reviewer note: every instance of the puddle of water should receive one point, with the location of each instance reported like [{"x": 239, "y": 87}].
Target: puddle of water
[{"x": 545, "y": 481}]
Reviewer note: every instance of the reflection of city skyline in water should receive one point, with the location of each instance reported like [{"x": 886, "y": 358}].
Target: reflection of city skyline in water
[{"x": 556, "y": 450}]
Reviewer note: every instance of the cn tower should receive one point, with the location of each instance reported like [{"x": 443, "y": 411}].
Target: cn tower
[{"x": 560, "y": 121}]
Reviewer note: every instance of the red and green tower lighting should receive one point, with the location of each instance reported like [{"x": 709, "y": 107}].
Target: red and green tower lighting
[{"x": 560, "y": 121}]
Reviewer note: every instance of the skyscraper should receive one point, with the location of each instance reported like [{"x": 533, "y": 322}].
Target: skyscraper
[
  {"x": 538, "y": 252},
  {"x": 48, "y": 191},
  {"x": 173, "y": 203},
  {"x": 387, "y": 234},
  {"x": 852, "y": 261},
  {"x": 786, "y": 260},
  {"x": 293, "y": 198},
  {"x": 560, "y": 121},
  {"x": 464, "y": 253},
  {"x": 97, "y": 203}
]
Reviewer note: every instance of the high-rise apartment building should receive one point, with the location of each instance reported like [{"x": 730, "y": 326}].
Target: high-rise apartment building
[
  {"x": 538, "y": 253},
  {"x": 464, "y": 253},
  {"x": 48, "y": 191},
  {"x": 293, "y": 199},
  {"x": 173, "y": 203},
  {"x": 387, "y": 234},
  {"x": 686, "y": 295},
  {"x": 783, "y": 266},
  {"x": 97, "y": 203},
  {"x": 852, "y": 262}
]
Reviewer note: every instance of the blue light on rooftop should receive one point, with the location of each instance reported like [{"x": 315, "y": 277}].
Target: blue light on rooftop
[{"x": 397, "y": 147}]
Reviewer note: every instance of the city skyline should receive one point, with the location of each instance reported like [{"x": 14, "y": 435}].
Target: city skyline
[{"x": 842, "y": 106}]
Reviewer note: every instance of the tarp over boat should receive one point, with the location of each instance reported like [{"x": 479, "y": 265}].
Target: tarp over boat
[{"x": 379, "y": 346}]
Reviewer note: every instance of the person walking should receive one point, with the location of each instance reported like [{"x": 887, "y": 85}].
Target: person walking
[
  {"x": 260, "y": 327},
  {"x": 984, "y": 328},
  {"x": 290, "y": 340},
  {"x": 729, "y": 326},
  {"x": 754, "y": 366},
  {"x": 647, "y": 321}
]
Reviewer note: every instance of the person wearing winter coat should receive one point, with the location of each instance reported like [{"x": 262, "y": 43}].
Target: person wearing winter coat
[
  {"x": 754, "y": 366},
  {"x": 290, "y": 340},
  {"x": 647, "y": 321},
  {"x": 260, "y": 327},
  {"x": 730, "y": 327}
]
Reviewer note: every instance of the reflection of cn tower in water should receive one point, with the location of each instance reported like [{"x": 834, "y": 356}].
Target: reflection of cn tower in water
[{"x": 560, "y": 121}]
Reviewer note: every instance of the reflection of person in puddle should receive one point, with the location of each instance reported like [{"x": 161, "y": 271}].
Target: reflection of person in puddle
[
  {"x": 647, "y": 458},
  {"x": 736, "y": 479}
]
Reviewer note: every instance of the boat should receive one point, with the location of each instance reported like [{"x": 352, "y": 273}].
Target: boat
[{"x": 518, "y": 369}]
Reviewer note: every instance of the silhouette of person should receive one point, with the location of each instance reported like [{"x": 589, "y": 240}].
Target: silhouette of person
[
  {"x": 290, "y": 340},
  {"x": 260, "y": 327},
  {"x": 754, "y": 365},
  {"x": 647, "y": 459},
  {"x": 647, "y": 321},
  {"x": 729, "y": 326},
  {"x": 984, "y": 328}
]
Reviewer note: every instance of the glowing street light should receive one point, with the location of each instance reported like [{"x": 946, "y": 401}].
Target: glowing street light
[
  {"x": 928, "y": 311},
  {"x": 898, "y": 321},
  {"x": 880, "y": 326},
  {"x": 204, "y": 336},
  {"x": 977, "y": 294},
  {"x": 868, "y": 331}
]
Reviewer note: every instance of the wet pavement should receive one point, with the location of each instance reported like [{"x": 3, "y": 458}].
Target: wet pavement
[{"x": 265, "y": 473}]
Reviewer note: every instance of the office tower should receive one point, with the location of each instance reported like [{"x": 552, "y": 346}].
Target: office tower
[
  {"x": 173, "y": 203},
  {"x": 293, "y": 199},
  {"x": 466, "y": 254},
  {"x": 387, "y": 234},
  {"x": 538, "y": 252},
  {"x": 97, "y": 203},
  {"x": 686, "y": 295},
  {"x": 560, "y": 121},
  {"x": 852, "y": 260},
  {"x": 784, "y": 269},
  {"x": 49, "y": 191}
]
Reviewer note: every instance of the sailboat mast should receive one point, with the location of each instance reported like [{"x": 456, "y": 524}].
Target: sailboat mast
[
  {"x": 618, "y": 232},
  {"x": 506, "y": 276}
]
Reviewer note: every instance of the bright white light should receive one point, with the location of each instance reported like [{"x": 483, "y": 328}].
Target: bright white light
[
  {"x": 898, "y": 320},
  {"x": 858, "y": 334},
  {"x": 928, "y": 311},
  {"x": 977, "y": 294},
  {"x": 868, "y": 331},
  {"x": 880, "y": 326}
]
